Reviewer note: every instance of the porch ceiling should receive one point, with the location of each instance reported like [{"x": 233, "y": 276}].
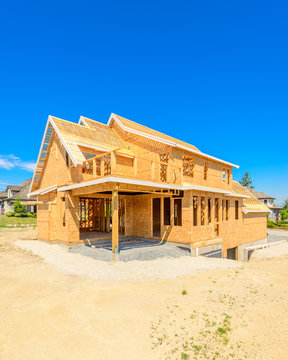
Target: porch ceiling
[{"x": 108, "y": 184}]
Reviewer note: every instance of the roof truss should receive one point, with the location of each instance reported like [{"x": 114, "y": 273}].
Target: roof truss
[{"x": 50, "y": 130}]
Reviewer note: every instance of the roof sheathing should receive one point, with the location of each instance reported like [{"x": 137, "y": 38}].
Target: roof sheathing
[
  {"x": 132, "y": 127},
  {"x": 251, "y": 204}
]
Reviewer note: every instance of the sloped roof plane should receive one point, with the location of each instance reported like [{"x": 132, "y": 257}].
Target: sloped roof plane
[
  {"x": 72, "y": 136},
  {"x": 131, "y": 126},
  {"x": 251, "y": 204}
]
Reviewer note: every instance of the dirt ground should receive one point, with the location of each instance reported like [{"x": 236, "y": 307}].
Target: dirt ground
[{"x": 46, "y": 313}]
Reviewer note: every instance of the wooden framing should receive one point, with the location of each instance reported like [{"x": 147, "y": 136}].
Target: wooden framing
[{"x": 108, "y": 176}]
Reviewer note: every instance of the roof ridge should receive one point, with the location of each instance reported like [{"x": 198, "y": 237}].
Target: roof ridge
[
  {"x": 71, "y": 122},
  {"x": 98, "y": 122}
]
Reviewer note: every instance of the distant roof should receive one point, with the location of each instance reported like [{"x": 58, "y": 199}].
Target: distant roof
[
  {"x": 23, "y": 193},
  {"x": 14, "y": 187},
  {"x": 275, "y": 207},
  {"x": 251, "y": 204},
  {"x": 3, "y": 194},
  {"x": 259, "y": 195}
]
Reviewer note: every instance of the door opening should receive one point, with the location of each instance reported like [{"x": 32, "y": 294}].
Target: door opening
[{"x": 156, "y": 218}]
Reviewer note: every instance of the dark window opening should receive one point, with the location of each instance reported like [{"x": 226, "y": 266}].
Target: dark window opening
[
  {"x": 227, "y": 209},
  {"x": 216, "y": 210},
  {"x": 209, "y": 211},
  {"x": 178, "y": 212},
  {"x": 67, "y": 159},
  {"x": 236, "y": 210},
  {"x": 63, "y": 211},
  {"x": 167, "y": 211}
]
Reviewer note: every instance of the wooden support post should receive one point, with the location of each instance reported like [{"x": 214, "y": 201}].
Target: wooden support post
[
  {"x": 102, "y": 216},
  {"x": 102, "y": 167},
  {"x": 94, "y": 168},
  {"x": 107, "y": 215},
  {"x": 113, "y": 162},
  {"x": 115, "y": 225}
]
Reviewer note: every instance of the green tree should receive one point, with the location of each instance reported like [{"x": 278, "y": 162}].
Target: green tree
[
  {"x": 18, "y": 207},
  {"x": 285, "y": 204},
  {"x": 246, "y": 180},
  {"x": 284, "y": 214}
]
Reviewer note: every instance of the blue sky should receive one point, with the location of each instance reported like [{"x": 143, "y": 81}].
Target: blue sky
[{"x": 212, "y": 73}]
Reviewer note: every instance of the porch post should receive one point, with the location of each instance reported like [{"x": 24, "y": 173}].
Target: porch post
[{"x": 115, "y": 225}]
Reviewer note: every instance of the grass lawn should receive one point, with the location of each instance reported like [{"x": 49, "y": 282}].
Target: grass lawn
[{"x": 6, "y": 221}]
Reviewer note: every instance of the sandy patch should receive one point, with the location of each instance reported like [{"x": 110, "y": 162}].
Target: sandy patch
[{"x": 47, "y": 314}]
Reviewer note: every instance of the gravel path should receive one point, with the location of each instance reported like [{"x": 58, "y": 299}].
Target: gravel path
[
  {"x": 133, "y": 249},
  {"x": 164, "y": 268}
]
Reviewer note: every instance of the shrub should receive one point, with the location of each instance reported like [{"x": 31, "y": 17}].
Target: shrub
[
  {"x": 34, "y": 215},
  {"x": 18, "y": 215},
  {"x": 9, "y": 213},
  {"x": 284, "y": 214},
  {"x": 18, "y": 207},
  {"x": 271, "y": 224}
]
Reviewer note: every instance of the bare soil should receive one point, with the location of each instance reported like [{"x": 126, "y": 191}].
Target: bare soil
[{"x": 48, "y": 313}]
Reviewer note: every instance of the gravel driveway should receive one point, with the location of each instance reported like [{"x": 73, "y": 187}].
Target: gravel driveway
[
  {"x": 277, "y": 235},
  {"x": 132, "y": 249}
]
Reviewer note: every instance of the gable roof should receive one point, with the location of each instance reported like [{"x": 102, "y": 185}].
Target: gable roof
[
  {"x": 251, "y": 204},
  {"x": 3, "y": 194},
  {"x": 132, "y": 127},
  {"x": 23, "y": 193},
  {"x": 92, "y": 134},
  {"x": 260, "y": 195},
  {"x": 21, "y": 190},
  {"x": 72, "y": 135},
  {"x": 14, "y": 187}
]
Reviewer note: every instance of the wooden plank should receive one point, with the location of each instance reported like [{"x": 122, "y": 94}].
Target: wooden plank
[{"x": 216, "y": 240}]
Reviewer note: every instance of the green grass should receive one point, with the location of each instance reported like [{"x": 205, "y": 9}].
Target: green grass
[{"x": 6, "y": 221}]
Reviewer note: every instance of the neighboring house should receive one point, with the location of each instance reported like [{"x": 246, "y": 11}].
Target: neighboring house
[
  {"x": 3, "y": 195},
  {"x": 268, "y": 200},
  {"x": 92, "y": 178},
  {"x": 13, "y": 192}
]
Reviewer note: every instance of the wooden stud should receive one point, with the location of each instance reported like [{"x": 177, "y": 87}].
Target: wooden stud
[
  {"x": 115, "y": 225},
  {"x": 113, "y": 162}
]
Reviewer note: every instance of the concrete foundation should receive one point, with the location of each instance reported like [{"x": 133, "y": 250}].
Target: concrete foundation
[
  {"x": 206, "y": 249},
  {"x": 243, "y": 253}
]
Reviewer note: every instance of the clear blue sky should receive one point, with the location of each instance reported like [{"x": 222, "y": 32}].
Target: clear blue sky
[{"x": 213, "y": 73}]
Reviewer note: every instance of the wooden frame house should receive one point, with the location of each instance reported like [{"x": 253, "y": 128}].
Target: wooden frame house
[{"x": 96, "y": 181}]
